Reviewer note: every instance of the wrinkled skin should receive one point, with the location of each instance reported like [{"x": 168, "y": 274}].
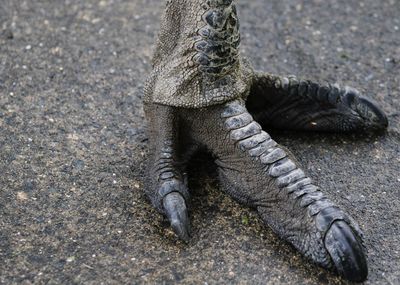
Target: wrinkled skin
[{"x": 229, "y": 122}]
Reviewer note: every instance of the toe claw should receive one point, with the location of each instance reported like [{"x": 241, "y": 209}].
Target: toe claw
[
  {"x": 375, "y": 113},
  {"x": 176, "y": 211},
  {"x": 346, "y": 252},
  {"x": 368, "y": 110}
]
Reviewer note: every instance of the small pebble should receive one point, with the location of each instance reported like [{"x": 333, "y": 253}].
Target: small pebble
[
  {"x": 70, "y": 259},
  {"x": 22, "y": 196}
]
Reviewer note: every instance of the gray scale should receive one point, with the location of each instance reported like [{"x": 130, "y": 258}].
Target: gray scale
[
  {"x": 217, "y": 51},
  {"x": 275, "y": 155},
  {"x": 253, "y": 141},
  {"x": 290, "y": 177},
  {"x": 245, "y": 132},
  {"x": 327, "y": 216},
  {"x": 238, "y": 121},
  {"x": 262, "y": 148},
  {"x": 311, "y": 198},
  {"x": 304, "y": 190},
  {"x": 298, "y": 185},
  {"x": 281, "y": 167},
  {"x": 316, "y": 207}
]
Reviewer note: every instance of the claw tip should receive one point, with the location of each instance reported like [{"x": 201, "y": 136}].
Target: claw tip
[
  {"x": 176, "y": 211},
  {"x": 346, "y": 252}
]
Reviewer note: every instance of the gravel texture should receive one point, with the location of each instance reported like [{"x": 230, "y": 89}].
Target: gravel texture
[{"x": 73, "y": 145}]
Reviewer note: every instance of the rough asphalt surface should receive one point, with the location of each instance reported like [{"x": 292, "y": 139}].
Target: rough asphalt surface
[{"x": 73, "y": 145}]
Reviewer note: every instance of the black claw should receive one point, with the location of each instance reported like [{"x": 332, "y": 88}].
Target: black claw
[
  {"x": 369, "y": 111},
  {"x": 176, "y": 211},
  {"x": 346, "y": 252},
  {"x": 379, "y": 117}
]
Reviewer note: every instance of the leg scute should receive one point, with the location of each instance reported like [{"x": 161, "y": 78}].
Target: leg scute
[
  {"x": 281, "y": 167},
  {"x": 262, "y": 148},
  {"x": 298, "y": 186},
  {"x": 245, "y": 132},
  {"x": 233, "y": 109},
  {"x": 253, "y": 141},
  {"x": 256, "y": 171},
  {"x": 308, "y": 187},
  {"x": 272, "y": 156},
  {"x": 310, "y": 198},
  {"x": 290, "y": 177},
  {"x": 238, "y": 121}
]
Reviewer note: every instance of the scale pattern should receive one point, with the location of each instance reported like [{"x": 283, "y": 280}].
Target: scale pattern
[
  {"x": 202, "y": 95},
  {"x": 196, "y": 62}
]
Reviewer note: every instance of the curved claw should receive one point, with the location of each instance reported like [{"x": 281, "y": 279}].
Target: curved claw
[
  {"x": 176, "y": 211},
  {"x": 346, "y": 252},
  {"x": 373, "y": 116},
  {"x": 378, "y": 118}
]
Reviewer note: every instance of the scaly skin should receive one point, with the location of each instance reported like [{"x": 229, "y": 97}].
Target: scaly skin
[{"x": 202, "y": 95}]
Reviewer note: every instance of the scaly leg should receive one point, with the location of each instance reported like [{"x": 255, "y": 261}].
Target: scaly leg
[
  {"x": 166, "y": 187},
  {"x": 290, "y": 103},
  {"x": 258, "y": 172}
]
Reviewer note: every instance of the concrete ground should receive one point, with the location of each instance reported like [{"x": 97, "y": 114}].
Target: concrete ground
[{"x": 73, "y": 145}]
